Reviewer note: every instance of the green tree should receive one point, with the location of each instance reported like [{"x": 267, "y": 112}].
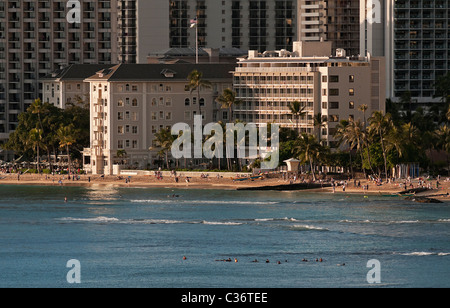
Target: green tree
[
  {"x": 443, "y": 142},
  {"x": 196, "y": 82},
  {"x": 67, "y": 137},
  {"x": 363, "y": 108},
  {"x": 121, "y": 154},
  {"x": 164, "y": 140},
  {"x": 297, "y": 111},
  {"x": 227, "y": 100},
  {"x": 320, "y": 122},
  {"x": 381, "y": 124},
  {"x": 307, "y": 149},
  {"x": 35, "y": 141}
]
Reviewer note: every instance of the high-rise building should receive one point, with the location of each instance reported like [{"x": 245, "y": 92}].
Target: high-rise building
[
  {"x": 337, "y": 21},
  {"x": 417, "y": 39},
  {"x": 36, "y": 38},
  {"x": 258, "y": 25}
]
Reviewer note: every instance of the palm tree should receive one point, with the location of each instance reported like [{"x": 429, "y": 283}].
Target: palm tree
[
  {"x": 164, "y": 140},
  {"x": 356, "y": 135},
  {"x": 320, "y": 122},
  {"x": 443, "y": 142},
  {"x": 227, "y": 100},
  {"x": 297, "y": 111},
  {"x": 35, "y": 140},
  {"x": 67, "y": 137},
  {"x": 196, "y": 82},
  {"x": 306, "y": 149},
  {"x": 381, "y": 124},
  {"x": 121, "y": 154},
  {"x": 363, "y": 108},
  {"x": 38, "y": 108}
]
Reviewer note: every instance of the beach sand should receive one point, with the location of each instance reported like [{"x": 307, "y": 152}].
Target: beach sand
[{"x": 214, "y": 183}]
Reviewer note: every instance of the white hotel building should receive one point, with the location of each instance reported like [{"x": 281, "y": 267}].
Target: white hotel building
[
  {"x": 333, "y": 86},
  {"x": 130, "y": 103}
]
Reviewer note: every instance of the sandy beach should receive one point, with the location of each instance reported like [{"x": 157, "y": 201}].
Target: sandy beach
[{"x": 221, "y": 183}]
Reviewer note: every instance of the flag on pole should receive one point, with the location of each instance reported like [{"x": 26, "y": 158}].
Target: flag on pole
[{"x": 193, "y": 22}]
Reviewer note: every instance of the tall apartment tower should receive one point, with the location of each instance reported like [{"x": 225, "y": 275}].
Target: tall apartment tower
[
  {"x": 36, "y": 39},
  {"x": 246, "y": 24},
  {"x": 342, "y": 22},
  {"x": 417, "y": 47}
]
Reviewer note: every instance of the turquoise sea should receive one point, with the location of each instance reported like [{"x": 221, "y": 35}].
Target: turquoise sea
[{"x": 137, "y": 237}]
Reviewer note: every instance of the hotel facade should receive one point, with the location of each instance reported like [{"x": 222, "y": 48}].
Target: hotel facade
[
  {"x": 130, "y": 103},
  {"x": 333, "y": 87}
]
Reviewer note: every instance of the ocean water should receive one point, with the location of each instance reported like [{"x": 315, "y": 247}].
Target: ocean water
[{"x": 137, "y": 237}]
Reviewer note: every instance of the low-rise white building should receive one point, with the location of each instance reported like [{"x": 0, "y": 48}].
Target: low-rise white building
[
  {"x": 130, "y": 103},
  {"x": 68, "y": 85}
]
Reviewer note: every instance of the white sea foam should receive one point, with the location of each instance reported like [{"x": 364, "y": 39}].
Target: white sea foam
[
  {"x": 424, "y": 253},
  {"x": 226, "y": 223},
  {"x": 444, "y": 220},
  {"x": 307, "y": 228},
  {"x": 150, "y": 221},
  {"x": 100, "y": 219}
]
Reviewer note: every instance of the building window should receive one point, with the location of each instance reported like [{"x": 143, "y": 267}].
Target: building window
[
  {"x": 135, "y": 144},
  {"x": 120, "y": 103},
  {"x": 134, "y": 88},
  {"x": 324, "y": 105},
  {"x": 134, "y": 130},
  {"x": 202, "y": 102},
  {"x": 120, "y": 116},
  {"x": 351, "y": 92},
  {"x": 334, "y": 105},
  {"x": 334, "y": 78},
  {"x": 351, "y": 105},
  {"x": 120, "y": 144},
  {"x": 351, "y": 78},
  {"x": 187, "y": 115},
  {"x": 324, "y": 78},
  {"x": 134, "y": 103},
  {"x": 120, "y": 130},
  {"x": 154, "y": 115},
  {"x": 187, "y": 102},
  {"x": 334, "y": 92}
]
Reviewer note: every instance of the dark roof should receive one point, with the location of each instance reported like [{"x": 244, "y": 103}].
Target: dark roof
[
  {"x": 144, "y": 72},
  {"x": 77, "y": 71}
]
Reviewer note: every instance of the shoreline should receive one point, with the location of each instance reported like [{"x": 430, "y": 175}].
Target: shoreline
[{"x": 390, "y": 189}]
